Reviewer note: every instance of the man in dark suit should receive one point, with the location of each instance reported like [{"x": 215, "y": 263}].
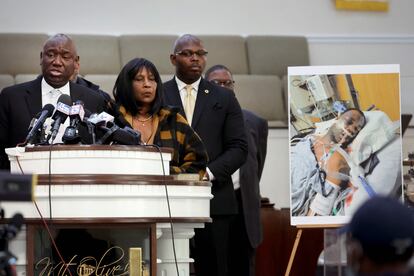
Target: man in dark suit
[
  {"x": 21, "y": 102},
  {"x": 215, "y": 115},
  {"x": 245, "y": 229}
]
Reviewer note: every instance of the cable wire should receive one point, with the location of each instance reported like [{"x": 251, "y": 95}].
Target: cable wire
[
  {"x": 45, "y": 224},
  {"x": 168, "y": 204}
]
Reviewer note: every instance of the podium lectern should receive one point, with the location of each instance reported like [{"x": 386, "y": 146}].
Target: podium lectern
[{"x": 108, "y": 187}]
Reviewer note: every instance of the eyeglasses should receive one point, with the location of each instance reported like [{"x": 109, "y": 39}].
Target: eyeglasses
[
  {"x": 226, "y": 83},
  {"x": 189, "y": 53}
]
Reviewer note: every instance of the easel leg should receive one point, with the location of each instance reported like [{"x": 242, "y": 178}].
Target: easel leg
[{"x": 293, "y": 253}]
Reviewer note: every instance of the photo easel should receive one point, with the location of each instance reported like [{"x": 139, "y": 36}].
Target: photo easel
[
  {"x": 316, "y": 94},
  {"x": 298, "y": 238}
]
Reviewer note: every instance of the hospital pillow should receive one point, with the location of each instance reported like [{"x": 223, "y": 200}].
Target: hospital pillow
[{"x": 378, "y": 131}]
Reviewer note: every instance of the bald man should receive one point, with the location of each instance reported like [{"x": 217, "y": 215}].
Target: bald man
[
  {"x": 215, "y": 114},
  {"x": 20, "y": 103}
]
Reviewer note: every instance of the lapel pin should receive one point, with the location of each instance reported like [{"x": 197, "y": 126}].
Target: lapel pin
[{"x": 206, "y": 91}]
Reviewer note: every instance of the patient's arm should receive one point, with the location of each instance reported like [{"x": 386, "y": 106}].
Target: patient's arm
[{"x": 336, "y": 165}]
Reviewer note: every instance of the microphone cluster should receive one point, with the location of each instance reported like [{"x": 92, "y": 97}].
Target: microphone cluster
[{"x": 101, "y": 128}]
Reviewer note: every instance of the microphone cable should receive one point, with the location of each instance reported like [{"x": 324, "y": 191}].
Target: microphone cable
[
  {"x": 50, "y": 182},
  {"x": 49, "y": 176},
  {"x": 168, "y": 203},
  {"x": 44, "y": 221}
]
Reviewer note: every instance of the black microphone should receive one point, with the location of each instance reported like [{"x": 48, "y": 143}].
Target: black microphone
[
  {"x": 120, "y": 136},
  {"x": 61, "y": 114},
  {"x": 108, "y": 132},
  {"x": 126, "y": 136},
  {"x": 8, "y": 232},
  {"x": 76, "y": 115},
  {"x": 11, "y": 230},
  {"x": 89, "y": 125},
  {"x": 45, "y": 113},
  {"x": 96, "y": 122}
]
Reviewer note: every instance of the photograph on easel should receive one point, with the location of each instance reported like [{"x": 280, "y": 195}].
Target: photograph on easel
[{"x": 345, "y": 140}]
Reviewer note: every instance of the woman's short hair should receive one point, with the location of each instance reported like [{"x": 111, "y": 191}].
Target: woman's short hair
[{"x": 123, "y": 91}]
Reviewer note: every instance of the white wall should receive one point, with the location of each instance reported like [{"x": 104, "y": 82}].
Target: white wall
[
  {"x": 335, "y": 37},
  {"x": 294, "y": 17}
]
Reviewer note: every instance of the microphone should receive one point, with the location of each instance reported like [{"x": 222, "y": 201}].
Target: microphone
[
  {"x": 98, "y": 121},
  {"x": 61, "y": 114},
  {"x": 101, "y": 119},
  {"x": 89, "y": 125},
  {"x": 113, "y": 133},
  {"x": 76, "y": 115},
  {"x": 35, "y": 125},
  {"x": 103, "y": 125},
  {"x": 11, "y": 230},
  {"x": 117, "y": 135},
  {"x": 126, "y": 136}
]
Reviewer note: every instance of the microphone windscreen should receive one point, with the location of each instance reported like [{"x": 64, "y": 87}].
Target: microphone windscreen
[
  {"x": 66, "y": 99},
  {"x": 126, "y": 136},
  {"x": 49, "y": 108},
  {"x": 17, "y": 221}
]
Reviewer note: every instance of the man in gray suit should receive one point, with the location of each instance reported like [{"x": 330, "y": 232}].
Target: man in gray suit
[{"x": 245, "y": 229}]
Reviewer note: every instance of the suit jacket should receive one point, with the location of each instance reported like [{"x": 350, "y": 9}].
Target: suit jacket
[
  {"x": 250, "y": 174},
  {"x": 20, "y": 103},
  {"x": 218, "y": 120}
]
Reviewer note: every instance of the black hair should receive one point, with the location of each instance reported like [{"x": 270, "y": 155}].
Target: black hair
[
  {"x": 123, "y": 91},
  {"x": 359, "y": 111},
  {"x": 215, "y": 68}
]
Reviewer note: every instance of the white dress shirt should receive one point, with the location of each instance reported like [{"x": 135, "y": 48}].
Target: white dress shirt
[
  {"x": 51, "y": 95},
  {"x": 181, "y": 88},
  {"x": 236, "y": 179}
]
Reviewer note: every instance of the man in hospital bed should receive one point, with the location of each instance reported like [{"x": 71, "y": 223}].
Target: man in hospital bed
[{"x": 352, "y": 157}]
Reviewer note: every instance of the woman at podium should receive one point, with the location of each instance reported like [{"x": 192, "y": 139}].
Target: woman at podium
[{"x": 139, "y": 104}]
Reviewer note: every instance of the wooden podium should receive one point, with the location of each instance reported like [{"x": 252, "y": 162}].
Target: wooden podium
[{"x": 110, "y": 186}]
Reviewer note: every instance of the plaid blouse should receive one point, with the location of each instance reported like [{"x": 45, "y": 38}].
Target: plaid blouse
[{"x": 190, "y": 155}]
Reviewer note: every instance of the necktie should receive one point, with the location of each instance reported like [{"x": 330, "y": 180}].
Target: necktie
[{"x": 189, "y": 103}]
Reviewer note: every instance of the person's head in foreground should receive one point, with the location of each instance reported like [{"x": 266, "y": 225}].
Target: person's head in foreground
[{"x": 380, "y": 238}]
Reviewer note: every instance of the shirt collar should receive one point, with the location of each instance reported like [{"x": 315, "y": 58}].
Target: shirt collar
[
  {"x": 181, "y": 85},
  {"x": 46, "y": 88}
]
